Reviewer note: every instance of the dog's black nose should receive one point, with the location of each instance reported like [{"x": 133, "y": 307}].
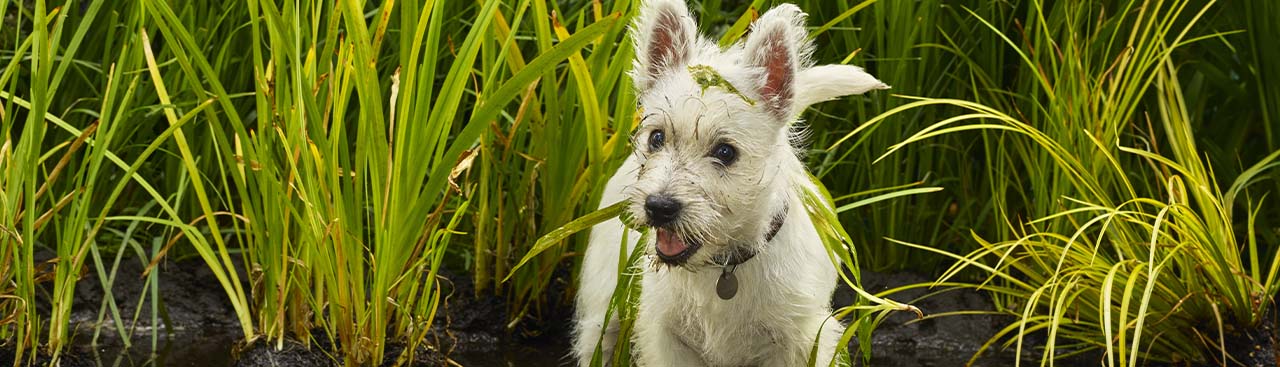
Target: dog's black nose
[{"x": 662, "y": 209}]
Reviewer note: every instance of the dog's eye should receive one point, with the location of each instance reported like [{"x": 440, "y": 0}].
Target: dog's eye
[
  {"x": 656, "y": 138},
  {"x": 724, "y": 153}
]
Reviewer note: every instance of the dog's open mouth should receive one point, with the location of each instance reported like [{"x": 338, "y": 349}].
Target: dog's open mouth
[{"x": 673, "y": 248}]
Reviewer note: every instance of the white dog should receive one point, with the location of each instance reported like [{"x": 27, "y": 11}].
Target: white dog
[{"x": 739, "y": 275}]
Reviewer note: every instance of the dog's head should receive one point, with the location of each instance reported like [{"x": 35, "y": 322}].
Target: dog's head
[{"x": 716, "y": 131}]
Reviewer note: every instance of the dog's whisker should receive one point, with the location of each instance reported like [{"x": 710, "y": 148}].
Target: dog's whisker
[{"x": 697, "y": 122}]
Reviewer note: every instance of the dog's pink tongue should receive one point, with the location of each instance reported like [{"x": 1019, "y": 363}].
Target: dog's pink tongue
[{"x": 670, "y": 244}]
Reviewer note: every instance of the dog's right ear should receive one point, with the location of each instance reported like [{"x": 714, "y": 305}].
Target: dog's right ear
[
  {"x": 664, "y": 35},
  {"x": 827, "y": 82}
]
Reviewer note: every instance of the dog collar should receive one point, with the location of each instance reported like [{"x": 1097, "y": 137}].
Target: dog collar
[{"x": 727, "y": 285}]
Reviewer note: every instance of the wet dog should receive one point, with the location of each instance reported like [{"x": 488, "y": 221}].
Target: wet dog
[{"x": 738, "y": 274}]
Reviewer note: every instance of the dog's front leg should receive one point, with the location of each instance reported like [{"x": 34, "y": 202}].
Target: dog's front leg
[
  {"x": 660, "y": 347},
  {"x": 790, "y": 353},
  {"x": 599, "y": 280},
  {"x": 795, "y": 348},
  {"x": 828, "y": 343}
]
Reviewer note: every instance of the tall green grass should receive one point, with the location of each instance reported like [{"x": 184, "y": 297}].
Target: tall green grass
[
  {"x": 70, "y": 150},
  {"x": 541, "y": 165},
  {"x": 329, "y": 160},
  {"x": 358, "y": 184}
]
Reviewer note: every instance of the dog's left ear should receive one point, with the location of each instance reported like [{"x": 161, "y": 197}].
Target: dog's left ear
[{"x": 779, "y": 47}]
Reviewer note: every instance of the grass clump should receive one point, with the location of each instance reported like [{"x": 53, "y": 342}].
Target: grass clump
[
  {"x": 327, "y": 158},
  {"x": 1134, "y": 246}
]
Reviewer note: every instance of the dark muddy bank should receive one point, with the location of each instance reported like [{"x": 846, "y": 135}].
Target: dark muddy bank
[
  {"x": 194, "y": 323},
  {"x": 469, "y": 331},
  {"x": 197, "y": 327},
  {"x": 951, "y": 341},
  {"x": 902, "y": 340}
]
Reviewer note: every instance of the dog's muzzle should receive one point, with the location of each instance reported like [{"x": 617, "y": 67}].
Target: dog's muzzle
[{"x": 663, "y": 210}]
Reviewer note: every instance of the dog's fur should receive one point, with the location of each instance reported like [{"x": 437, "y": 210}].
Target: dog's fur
[{"x": 724, "y": 206}]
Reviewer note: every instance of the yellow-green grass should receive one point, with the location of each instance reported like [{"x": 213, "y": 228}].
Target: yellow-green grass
[{"x": 1130, "y": 245}]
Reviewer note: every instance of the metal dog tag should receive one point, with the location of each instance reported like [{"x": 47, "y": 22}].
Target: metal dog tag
[{"x": 727, "y": 286}]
